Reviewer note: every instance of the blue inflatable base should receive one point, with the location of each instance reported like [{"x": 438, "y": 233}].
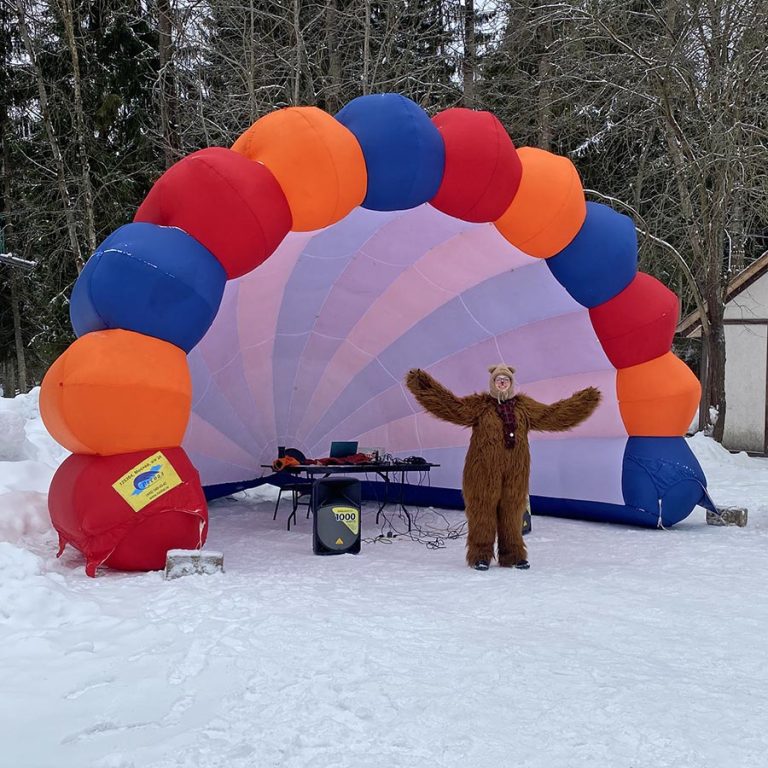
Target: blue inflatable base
[{"x": 672, "y": 510}]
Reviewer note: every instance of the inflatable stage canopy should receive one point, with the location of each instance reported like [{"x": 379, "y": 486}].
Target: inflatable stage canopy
[{"x": 276, "y": 293}]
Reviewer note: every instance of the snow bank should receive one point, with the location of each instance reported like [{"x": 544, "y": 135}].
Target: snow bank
[
  {"x": 265, "y": 492},
  {"x": 31, "y": 597},
  {"x": 733, "y": 479},
  {"x": 710, "y": 453},
  {"x": 28, "y": 458}
]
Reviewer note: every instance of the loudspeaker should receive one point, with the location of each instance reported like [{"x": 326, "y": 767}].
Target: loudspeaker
[{"x": 336, "y": 503}]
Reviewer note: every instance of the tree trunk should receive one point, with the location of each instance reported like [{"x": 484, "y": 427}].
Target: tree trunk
[
  {"x": 737, "y": 240},
  {"x": 168, "y": 124},
  {"x": 13, "y": 278},
  {"x": 7, "y": 226},
  {"x": 21, "y": 362},
  {"x": 713, "y": 386},
  {"x": 470, "y": 54},
  {"x": 638, "y": 189},
  {"x": 366, "y": 46},
  {"x": 9, "y": 379},
  {"x": 58, "y": 159},
  {"x": 68, "y": 17},
  {"x": 296, "y": 91},
  {"x": 713, "y": 390},
  {"x": 545, "y": 34},
  {"x": 251, "y": 70},
  {"x": 333, "y": 99}
]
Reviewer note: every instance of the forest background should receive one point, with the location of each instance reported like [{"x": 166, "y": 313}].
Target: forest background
[{"x": 662, "y": 106}]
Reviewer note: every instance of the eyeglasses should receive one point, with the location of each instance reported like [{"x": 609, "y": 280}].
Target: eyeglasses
[{"x": 502, "y": 379}]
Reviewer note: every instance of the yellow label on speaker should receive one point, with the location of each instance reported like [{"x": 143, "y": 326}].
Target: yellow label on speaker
[
  {"x": 147, "y": 481},
  {"x": 339, "y": 540},
  {"x": 350, "y": 516}
]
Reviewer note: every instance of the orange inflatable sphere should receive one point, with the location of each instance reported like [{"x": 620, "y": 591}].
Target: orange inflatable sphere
[
  {"x": 658, "y": 398},
  {"x": 115, "y": 392},
  {"x": 315, "y": 159},
  {"x": 549, "y": 207}
]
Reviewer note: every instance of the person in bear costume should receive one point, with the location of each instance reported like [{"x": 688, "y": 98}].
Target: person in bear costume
[{"x": 497, "y": 467}]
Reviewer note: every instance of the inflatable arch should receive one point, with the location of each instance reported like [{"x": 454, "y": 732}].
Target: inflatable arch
[{"x": 277, "y": 292}]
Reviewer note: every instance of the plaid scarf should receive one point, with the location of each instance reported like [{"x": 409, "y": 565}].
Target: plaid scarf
[{"x": 506, "y": 411}]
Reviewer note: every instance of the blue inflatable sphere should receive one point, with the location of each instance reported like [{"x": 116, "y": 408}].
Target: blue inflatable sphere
[
  {"x": 662, "y": 480},
  {"x": 601, "y": 261},
  {"x": 404, "y": 151},
  {"x": 155, "y": 280}
]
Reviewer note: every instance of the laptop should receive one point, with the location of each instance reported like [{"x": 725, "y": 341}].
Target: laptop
[{"x": 342, "y": 448}]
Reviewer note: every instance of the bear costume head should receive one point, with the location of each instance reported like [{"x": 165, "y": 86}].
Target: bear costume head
[{"x": 503, "y": 391}]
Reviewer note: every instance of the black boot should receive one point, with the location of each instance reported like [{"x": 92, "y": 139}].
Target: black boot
[{"x": 482, "y": 565}]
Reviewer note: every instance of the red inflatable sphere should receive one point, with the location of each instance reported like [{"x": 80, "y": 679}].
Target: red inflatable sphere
[
  {"x": 126, "y": 511},
  {"x": 228, "y": 203},
  {"x": 482, "y": 169},
  {"x": 638, "y": 324}
]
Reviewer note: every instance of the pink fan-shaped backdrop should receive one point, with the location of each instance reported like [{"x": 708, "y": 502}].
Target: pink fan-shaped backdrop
[{"x": 313, "y": 346}]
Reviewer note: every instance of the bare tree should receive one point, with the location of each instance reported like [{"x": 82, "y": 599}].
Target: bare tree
[
  {"x": 67, "y": 14},
  {"x": 167, "y": 95},
  {"x": 53, "y": 141},
  {"x": 470, "y": 54},
  {"x": 6, "y": 207},
  {"x": 661, "y": 105},
  {"x": 6, "y": 241},
  {"x": 545, "y": 34},
  {"x": 698, "y": 67}
]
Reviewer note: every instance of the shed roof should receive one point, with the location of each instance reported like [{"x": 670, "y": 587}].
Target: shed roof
[{"x": 690, "y": 325}]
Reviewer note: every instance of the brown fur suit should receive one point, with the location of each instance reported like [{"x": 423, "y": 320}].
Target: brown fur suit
[{"x": 495, "y": 481}]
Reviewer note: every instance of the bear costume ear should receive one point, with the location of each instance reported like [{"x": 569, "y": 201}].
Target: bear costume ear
[{"x": 492, "y": 368}]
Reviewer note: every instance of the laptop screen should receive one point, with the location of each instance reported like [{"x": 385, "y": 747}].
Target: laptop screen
[{"x": 342, "y": 448}]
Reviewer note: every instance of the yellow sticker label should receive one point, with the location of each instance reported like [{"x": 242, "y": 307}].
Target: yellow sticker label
[
  {"x": 350, "y": 516},
  {"x": 339, "y": 540},
  {"x": 147, "y": 481}
]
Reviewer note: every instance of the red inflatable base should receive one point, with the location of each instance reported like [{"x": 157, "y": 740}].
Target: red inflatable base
[{"x": 127, "y": 511}]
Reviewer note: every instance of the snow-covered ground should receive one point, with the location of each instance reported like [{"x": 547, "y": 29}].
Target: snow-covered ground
[{"x": 621, "y": 647}]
